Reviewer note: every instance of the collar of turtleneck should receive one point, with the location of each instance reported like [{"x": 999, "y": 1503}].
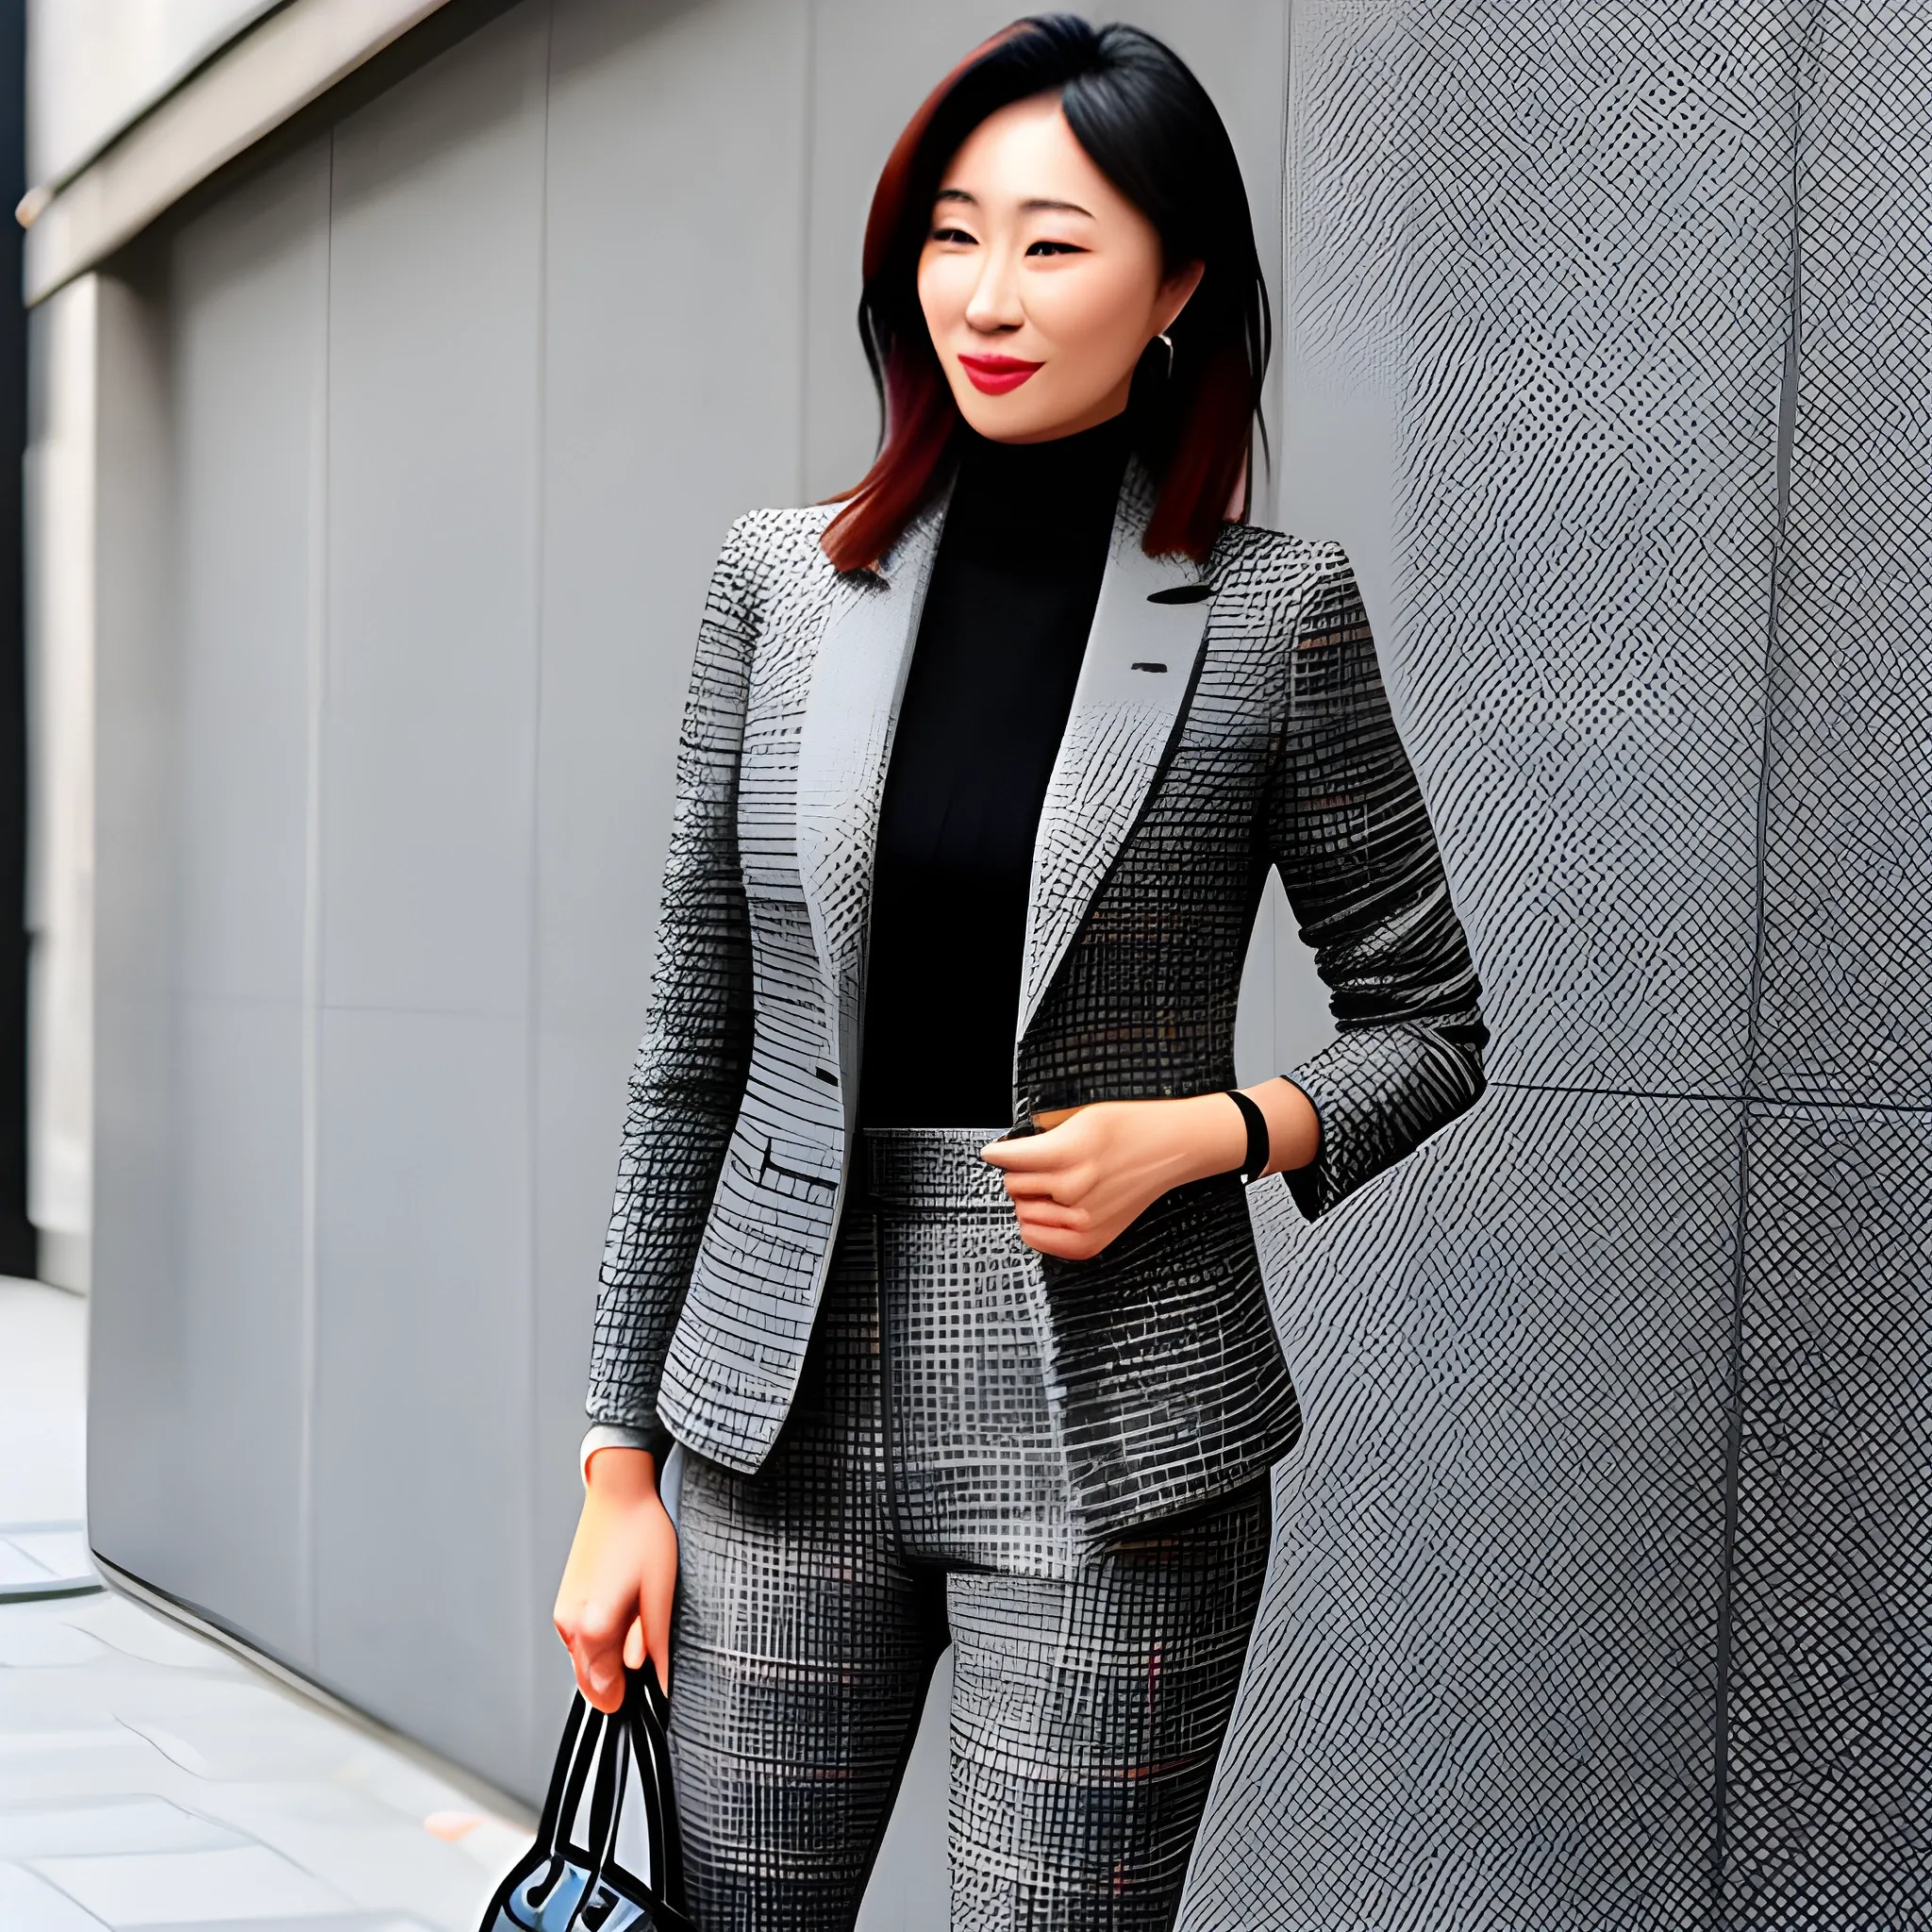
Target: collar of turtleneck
[{"x": 1034, "y": 495}]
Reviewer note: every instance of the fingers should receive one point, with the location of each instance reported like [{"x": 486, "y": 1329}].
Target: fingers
[
  {"x": 1069, "y": 1234},
  {"x": 1032, "y": 1152},
  {"x": 1063, "y": 1243},
  {"x": 595, "y": 1638},
  {"x": 1055, "y": 1214},
  {"x": 613, "y": 1607},
  {"x": 1057, "y": 1184}
]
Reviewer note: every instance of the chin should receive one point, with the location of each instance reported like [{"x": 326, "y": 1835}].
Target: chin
[{"x": 1004, "y": 419}]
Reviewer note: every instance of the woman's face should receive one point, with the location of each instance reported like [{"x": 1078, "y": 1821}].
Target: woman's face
[{"x": 1041, "y": 282}]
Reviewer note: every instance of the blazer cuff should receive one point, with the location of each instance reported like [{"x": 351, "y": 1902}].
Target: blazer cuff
[
  {"x": 1379, "y": 1093},
  {"x": 616, "y": 1436}
]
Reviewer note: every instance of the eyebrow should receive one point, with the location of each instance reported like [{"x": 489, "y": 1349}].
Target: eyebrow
[{"x": 1029, "y": 207}]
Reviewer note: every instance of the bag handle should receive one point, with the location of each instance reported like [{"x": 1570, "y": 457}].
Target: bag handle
[
  {"x": 584, "y": 1733},
  {"x": 606, "y": 1793},
  {"x": 649, "y": 1713},
  {"x": 637, "y": 1732},
  {"x": 575, "y": 1753}
]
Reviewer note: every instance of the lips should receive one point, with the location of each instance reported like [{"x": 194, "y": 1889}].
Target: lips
[{"x": 993, "y": 376}]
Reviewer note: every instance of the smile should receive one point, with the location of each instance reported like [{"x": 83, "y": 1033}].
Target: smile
[{"x": 993, "y": 376}]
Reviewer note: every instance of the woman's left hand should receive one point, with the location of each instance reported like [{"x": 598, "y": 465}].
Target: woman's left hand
[{"x": 1082, "y": 1182}]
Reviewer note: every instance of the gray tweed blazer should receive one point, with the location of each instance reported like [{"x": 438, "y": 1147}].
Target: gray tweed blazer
[{"x": 1227, "y": 718}]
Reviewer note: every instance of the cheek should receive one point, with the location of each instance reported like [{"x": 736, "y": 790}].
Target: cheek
[
  {"x": 944, "y": 291},
  {"x": 1097, "y": 312}
]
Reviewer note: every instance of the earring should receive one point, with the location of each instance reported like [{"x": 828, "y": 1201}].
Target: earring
[{"x": 1168, "y": 341}]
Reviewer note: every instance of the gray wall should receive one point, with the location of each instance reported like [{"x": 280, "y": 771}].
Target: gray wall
[{"x": 426, "y": 436}]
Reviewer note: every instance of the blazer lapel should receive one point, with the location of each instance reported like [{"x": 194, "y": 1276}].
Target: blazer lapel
[
  {"x": 846, "y": 738},
  {"x": 1132, "y": 693}
]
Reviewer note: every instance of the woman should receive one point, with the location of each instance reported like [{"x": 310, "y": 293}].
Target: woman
[{"x": 930, "y": 1241}]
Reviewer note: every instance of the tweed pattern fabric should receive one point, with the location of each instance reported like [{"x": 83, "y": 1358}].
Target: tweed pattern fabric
[
  {"x": 1226, "y": 719},
  {"x": 974, "y": 1412},
  {"x": 692, "y": 1095},
  {"x": 1088, "y": 1708}
]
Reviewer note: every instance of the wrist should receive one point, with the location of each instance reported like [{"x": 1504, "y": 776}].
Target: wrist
[
  {"x": 1216, "y": 1140},
  {"x": 619, "y": 1475}
]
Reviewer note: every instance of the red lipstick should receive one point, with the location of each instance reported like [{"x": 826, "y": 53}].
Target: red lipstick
[{"x": 993, "y": 376}]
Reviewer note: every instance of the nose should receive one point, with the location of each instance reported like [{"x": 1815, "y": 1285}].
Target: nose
[{"x": 995, "y": 306}]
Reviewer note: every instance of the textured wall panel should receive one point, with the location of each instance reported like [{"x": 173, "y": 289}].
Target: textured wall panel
[
  {"x": 248, "y": 349},
  {"x": 139, "y": 1423},
  {"x": 1830, "y": 1794},
  {"x": 1537, "y": 262},
  {"x": 422, "y": 1403},
  {"x": 1483, "y": 1690},
  {"x": 1847, "y": 998},
  {"x": 203, "y": 796},
  {"x": 423, "y": 1448}
]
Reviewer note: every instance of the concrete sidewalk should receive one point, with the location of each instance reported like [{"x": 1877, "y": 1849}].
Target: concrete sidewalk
[{"x": 151, "y": 1777}]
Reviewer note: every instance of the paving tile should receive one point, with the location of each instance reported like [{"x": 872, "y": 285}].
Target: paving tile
[
  {"x": 187, "y": 1888},
  {"x": 40, "y": 1766},
  {"x": 20, "y": 1569},
  {"x": 151, "y": 1777},
  {"x": 136, "y": 1632},
  {"x": 65, "y": 1700},
  {"x": 370, "y": 1853},
  {"x": 235, "y": 1731},
  {"x": 495, "y": 1846},
  {"x": 61, "y": 1549},
  {"x": 405, "y": 1786},
  {"x": 43, "y": 1642},
  {"x": 30, "y": 1904},
  {"x": 106, "y": 1825}
]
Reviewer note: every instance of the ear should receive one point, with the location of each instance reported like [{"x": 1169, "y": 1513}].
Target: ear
[{"x": 1175, "y": 293}]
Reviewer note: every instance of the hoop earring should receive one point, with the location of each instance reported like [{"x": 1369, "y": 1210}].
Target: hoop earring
[{"x": 1168, "y": 341}]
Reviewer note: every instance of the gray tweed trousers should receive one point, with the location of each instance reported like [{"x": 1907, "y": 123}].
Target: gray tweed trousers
[{"x": 918, "y": 1495}]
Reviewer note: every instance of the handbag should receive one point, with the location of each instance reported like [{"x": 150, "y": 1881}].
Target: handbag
[{"x": 612, "y": 1779}]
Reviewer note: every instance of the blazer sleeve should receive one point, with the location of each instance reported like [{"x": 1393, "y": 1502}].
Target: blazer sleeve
[
  {"x": 689, "y": 1072},
  {"x": 1351, "y": 837}
]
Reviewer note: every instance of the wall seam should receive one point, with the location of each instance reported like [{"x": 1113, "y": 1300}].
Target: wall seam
[
  {"x": 311, "y": 923},
  {"x": 808, "y": 135},
  {"x": 533, "y": 1073},
  {"x": 1757, "y": 1098},
  {"x": 1735, "y": 1365}
]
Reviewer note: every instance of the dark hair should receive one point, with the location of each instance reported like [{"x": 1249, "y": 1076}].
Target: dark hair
[{"x": 1149, "y": 126}]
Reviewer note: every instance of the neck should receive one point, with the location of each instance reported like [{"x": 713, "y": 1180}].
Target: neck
[{"x": 1040, "y": 490}]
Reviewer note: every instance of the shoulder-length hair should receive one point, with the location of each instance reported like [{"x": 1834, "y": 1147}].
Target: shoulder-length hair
[{"x": 1149, "y": 126}]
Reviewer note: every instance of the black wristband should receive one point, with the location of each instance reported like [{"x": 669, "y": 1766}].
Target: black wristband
[{"x": 1254, "y": 1164}]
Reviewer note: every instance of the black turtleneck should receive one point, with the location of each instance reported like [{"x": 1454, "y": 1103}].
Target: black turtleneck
[{"x": 987, "y": 696}]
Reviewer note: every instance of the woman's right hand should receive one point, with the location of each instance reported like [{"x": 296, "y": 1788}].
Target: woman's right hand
[{"x": 613, "y": 1607}]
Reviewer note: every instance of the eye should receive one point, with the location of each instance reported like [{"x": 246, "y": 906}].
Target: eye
[
  {"x": 957, "y": 236},
  {"x": 1054, "y": 248}
]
